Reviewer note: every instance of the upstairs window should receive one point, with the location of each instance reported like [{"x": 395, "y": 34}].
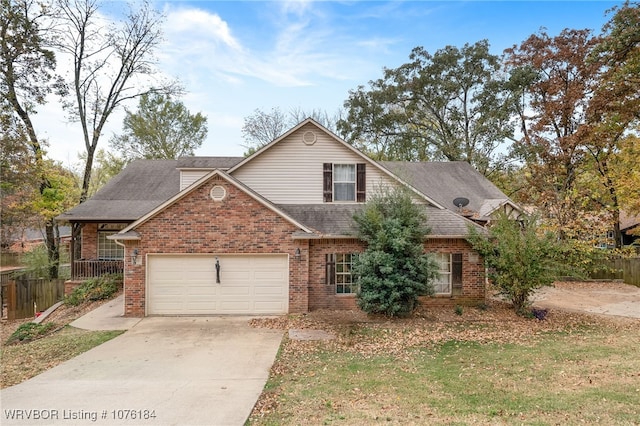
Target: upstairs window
[{"x": 344, "y": 182}]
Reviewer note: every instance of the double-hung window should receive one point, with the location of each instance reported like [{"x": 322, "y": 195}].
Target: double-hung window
[
  {"x": 339, "y": 272},
  {"x": 344, "y": 182},
  {"x": 449, "y": 280}
]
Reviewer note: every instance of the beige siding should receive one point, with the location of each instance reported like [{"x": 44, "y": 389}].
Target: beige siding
[
  {"x": 187, "y": 177},
  {"x": 290, "y": 172}
]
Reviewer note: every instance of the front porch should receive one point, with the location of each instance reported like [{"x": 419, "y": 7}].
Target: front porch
[{"x": 93, "y": 268}]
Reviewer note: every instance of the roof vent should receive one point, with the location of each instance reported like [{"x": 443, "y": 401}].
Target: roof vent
[
  {"x": 218, "y": 193},
  {"x": 309, "y": 138},
  {"x": 460, "y": 202}
]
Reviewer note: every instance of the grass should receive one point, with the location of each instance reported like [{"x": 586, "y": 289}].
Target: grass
[
  {"x": 588, "y": 374},
  {"x": 25, "y": 360}
]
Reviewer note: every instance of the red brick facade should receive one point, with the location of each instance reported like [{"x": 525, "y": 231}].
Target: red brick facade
[{"x": 241, "y": 225}]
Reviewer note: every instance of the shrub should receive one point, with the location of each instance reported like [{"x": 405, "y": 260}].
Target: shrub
[
  {"x": 394, "y": 270},
  {"x": 459, "y": 310},
  {"x": 100, "y": 288},
  {"x": 29, "y": 331},
  {"x": 519, "y": 260}
]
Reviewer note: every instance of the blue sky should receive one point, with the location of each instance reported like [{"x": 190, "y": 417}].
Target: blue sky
[{"x": 235, "y": 56}]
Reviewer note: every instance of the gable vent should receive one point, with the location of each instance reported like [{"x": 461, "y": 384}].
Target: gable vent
[
  {"x": 309, "y": 138},
  {"x": 218, "y": 193}
]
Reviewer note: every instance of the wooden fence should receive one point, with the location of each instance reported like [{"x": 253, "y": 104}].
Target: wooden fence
[
  {"x": 627, "y": 270},
  {"x": 22, "y": 296}
]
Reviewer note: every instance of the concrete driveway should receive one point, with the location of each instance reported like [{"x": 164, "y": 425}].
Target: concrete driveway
[{"x": 163, "y": 371}]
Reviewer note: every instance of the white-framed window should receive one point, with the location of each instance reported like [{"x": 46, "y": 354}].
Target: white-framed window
[
  {"x": 108, "y": 249},
  {"x": 442, "y": 284},
  {"x": 344, "y": 182},
  {"x": 339, "y": 267}
]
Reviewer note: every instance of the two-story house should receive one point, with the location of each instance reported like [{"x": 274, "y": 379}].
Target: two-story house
[{"x": 271, "y": 233}]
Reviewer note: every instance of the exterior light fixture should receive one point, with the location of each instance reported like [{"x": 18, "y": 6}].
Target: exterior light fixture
[
  {"x": 134, "y": 256},
  {"x": 297, "y": 254}
]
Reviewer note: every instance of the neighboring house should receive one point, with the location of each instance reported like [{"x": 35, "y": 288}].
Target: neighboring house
[
  {"x": 24, "y": 240},
  {"x": 272, "y": 233},
  {"x": 630, "y": 228}
]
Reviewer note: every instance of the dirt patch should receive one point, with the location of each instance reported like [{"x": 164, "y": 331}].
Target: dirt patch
[
  {"x": 599, "y": 297},
  {"x": 62, "y": 316}
]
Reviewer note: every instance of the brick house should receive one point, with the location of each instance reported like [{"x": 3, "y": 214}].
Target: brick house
[{"x": 271, "y": 233}]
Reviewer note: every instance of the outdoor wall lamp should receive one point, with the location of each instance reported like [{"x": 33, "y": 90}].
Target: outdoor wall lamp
[
  {"x": 134, "y": 256},
  {"x": 297, "y": 253}
]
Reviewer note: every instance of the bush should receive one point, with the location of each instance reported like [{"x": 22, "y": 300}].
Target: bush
[
  {"x": 394, "y": 270},
  {"x": 29, "y": 331},
  {"x": 519, "y": 260},
  {"x": 99, "y": 288}
]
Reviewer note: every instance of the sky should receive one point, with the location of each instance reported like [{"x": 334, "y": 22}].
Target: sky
[{"x": 233, "y": 57}]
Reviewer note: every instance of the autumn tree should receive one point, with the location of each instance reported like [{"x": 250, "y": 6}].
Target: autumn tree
[
  {"x": 555, "y": 81},
  {"x": 451, "y": 105},
  {"x": 162, "y": 128},
  {"x": 27, "y": 76},
  {"x": 614, "y": 114}
]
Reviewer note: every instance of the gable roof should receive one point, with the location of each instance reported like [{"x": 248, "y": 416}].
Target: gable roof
[
  {"x": 266, "y": 203},
  {"x": 139, "y": 188},
  {"x": 337, "y": 139},
  {"x": 445, "y": 181}
]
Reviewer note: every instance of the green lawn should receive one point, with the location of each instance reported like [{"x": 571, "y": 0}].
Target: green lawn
[{"x": 579, "y": 374}]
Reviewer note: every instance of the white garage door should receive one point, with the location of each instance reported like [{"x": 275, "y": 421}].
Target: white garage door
[{"x": 186, "y": 284}]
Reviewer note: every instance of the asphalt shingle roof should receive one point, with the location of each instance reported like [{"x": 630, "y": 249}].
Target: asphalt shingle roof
[
  {"x": 145, "y": 184},
  {"x": 337, "y": 219},
  {"x": 223, "y": 163},
  {"x": 138, "y": 189},
  {"x": 445, "y": 181}
]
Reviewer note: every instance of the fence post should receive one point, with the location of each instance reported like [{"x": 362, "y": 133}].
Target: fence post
[{"x": 11, "y": 300}]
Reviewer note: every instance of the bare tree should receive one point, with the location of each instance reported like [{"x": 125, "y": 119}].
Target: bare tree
[{"x": 111, "y": 65}]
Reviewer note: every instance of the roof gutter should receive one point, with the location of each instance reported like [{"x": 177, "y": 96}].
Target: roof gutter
[{"x": 125, "y": 236}]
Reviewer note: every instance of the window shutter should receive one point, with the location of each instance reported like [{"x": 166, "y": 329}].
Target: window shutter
[
  {"x": 361, "y": 183},
  {"x": 327, "y": 177},
  {"x": 456, "y": 274},
  {"x": 330, "y": 269}
]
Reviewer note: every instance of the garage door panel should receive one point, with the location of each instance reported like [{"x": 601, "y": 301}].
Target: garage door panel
[
  {"x": 235, "y": 290},
  {"x": 185, "y": 284}
]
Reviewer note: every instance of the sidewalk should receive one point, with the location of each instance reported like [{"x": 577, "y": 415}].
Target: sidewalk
[{"x": 109, "y": 316}]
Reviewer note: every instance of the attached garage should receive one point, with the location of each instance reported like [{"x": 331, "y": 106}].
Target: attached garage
[{"x": 186, "y": 284}]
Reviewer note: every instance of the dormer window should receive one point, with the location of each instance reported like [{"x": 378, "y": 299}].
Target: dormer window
[{"x": 344, "y": 182}]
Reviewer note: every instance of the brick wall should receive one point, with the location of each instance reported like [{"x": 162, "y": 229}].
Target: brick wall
[
  {"x": 198, "y": 224},
  {"x": 89, "y": 241},
  {"x": 473, "y": 284},
  {"x": 323, "y": 296}
]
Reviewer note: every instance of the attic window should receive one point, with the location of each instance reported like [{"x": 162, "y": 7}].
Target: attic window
[{"x": 218, "y": 193}]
